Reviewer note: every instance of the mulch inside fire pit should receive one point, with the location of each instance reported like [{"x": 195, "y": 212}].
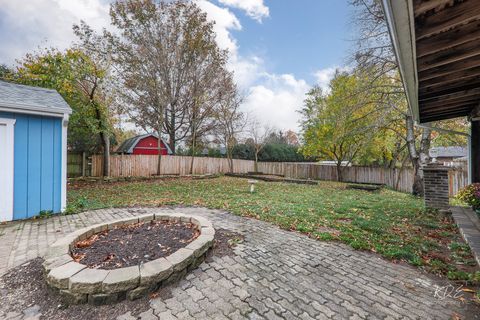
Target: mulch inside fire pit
[{"x": 132, "y": 244}]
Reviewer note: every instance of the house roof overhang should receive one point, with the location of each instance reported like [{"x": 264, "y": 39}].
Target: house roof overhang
[{"x": 437, "y": 44}]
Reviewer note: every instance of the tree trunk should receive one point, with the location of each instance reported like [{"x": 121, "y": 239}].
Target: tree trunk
[
  {"x": 402, "y": 166},
  {"x": 159, "y": 145},
  {"x": 171, "y": 134},
  {"x": 106, "y": 154},
  {"x": 418, "y": 158},
  {"x": 104, "y": 136},
  {"x": 193, "y": 153},
  {"x": 256, "y": 163},
  {"x": 231, "y": 164},
  {"x": 339, "y": 171},
  {"x": 230, "y": 160},
  {"x": 172, "y": 142}
]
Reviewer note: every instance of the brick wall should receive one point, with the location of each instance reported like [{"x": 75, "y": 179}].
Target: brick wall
[{"x": 435, "y": 179}]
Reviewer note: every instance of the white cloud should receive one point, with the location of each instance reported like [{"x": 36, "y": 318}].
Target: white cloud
[
  {"x": 246, "y": 69},
  {"x": 323, "y": 76},
  {"x": 253, "y": 8},
  {"x": 26, "y": 25},
  {"x": 273, "y": 99},
  {"x": 225, "y": 21},
  {"x": 276, "y": 100}
]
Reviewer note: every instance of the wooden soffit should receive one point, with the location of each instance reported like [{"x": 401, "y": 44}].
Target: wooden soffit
[{"x": 447, "y": 37}]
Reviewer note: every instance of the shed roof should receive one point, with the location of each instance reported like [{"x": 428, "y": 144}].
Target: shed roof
[
  {"x": 128, "y": 145},
  {"x": 28, "y": 99}
]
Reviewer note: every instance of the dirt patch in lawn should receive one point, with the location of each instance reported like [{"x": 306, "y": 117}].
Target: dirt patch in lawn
[
  {"x": 25, "y": 287},
  {"x": 132, "y": 244},
  {"x": 333, "y": 232},
  {"x": 224, "y": 243}
]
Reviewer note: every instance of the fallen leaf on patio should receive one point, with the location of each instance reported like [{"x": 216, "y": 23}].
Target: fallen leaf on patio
[
  {"x": 153, "y": 295},
  {"x": 468, "y": 290},
  {"x": 87, "y": 242},
  {"x": 409, "y": 286},
  {"x": 77, "y": 257},
  {"x": 455, "y": 316}
]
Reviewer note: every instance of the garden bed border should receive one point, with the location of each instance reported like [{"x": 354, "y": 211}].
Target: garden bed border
[{"x": 78, "y": 284}]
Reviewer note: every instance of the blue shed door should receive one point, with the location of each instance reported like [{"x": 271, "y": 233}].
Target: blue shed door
[{"x": 6, "y": 168}]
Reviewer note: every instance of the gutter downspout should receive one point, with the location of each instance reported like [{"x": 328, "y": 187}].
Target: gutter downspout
[{"x": 469, "y": 139}]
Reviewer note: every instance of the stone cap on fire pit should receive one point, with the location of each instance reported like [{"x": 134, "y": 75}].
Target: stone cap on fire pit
[{"x": 77, "y": 283}]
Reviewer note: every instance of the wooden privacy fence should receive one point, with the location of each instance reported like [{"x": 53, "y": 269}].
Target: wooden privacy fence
[
  {"x": 397, "y": 179},
  {"x": 457, "y": 180},
  {"x": 77, "y": 165},
  {"x": 146, "y": 165},
  {"x": 401, "y": 180}
]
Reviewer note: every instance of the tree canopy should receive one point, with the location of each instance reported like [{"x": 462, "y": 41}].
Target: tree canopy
[
  {"x": 77, "y": 78},
  {"x": 338, "y": 124}
]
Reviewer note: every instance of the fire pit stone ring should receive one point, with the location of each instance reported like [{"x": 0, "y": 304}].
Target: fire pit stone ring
[{"x": 77, "y": 283}]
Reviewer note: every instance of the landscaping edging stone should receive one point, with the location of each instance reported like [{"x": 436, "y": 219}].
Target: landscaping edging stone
[
  {"x": 77, "y": 283},
  {"x": 272, "y": 178}
]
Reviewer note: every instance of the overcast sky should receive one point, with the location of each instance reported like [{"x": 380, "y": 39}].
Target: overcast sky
[{"x": 278, "y": 48}]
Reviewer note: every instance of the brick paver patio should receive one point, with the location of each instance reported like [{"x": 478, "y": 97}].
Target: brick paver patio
[{"x": 275, "y": 274}]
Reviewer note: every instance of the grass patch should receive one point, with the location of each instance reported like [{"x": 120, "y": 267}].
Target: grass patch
[{"x": 390, "y": 223}]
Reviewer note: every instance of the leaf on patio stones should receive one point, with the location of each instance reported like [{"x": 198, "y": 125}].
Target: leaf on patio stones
[
  {"x": 461, "y": 299},
  {"x": 153, "y": 295},
  {"x": 78, "y": 256},
  {"x": 409, "y": 286},
  {"x": 455, "y": 316},
  {"x": 87, "y": 242}
]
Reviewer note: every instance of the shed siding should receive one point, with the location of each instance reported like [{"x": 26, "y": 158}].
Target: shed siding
[{"x": 37, "y": 164}]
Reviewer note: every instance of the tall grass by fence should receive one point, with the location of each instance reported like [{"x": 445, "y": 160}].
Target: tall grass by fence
[{"x": 146, "y": 165}]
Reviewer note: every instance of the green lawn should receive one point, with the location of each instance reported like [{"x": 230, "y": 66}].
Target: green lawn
[{"x": 392, "y": 224}]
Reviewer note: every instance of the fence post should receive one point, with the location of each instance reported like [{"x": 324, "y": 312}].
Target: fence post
[{"x": 84, "y": 164}]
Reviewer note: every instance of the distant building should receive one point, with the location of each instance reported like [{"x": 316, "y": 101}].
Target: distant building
[
  {"x": 447, "y": 154},
  {"x": 144, "y": 144},
  {"x": 221, "y": 150},
  {"x": 334, "y": 163}
]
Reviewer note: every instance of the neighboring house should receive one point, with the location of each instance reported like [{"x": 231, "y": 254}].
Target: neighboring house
[
  {"x": 221, "y": 150},
  {"x": 447, "y": 154},
  {"x": 144, "y": 144},
  {"x": 33, "y": 151}
]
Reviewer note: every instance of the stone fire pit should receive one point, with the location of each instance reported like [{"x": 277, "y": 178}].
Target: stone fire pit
[{"x": 77, "y": 283}]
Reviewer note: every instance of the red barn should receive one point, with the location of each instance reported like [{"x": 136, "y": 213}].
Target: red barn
[{"x": 144, "y": 144}]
